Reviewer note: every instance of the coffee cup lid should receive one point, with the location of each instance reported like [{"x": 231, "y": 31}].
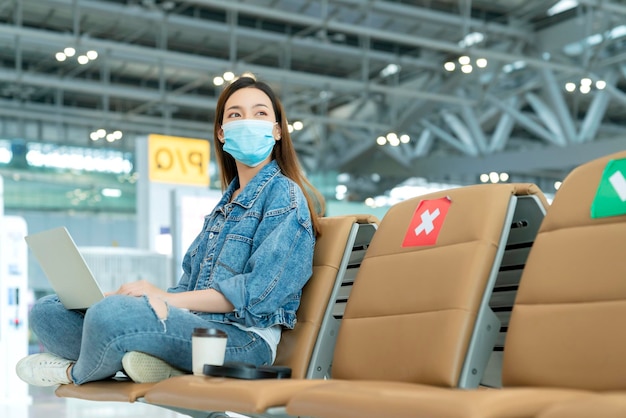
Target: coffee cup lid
[{"x": 209, "y": 332}]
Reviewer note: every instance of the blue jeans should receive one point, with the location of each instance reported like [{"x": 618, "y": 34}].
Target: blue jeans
[{"x": 98, "y": 338}]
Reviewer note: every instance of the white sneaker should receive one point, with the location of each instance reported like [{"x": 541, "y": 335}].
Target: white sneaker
[
  {"x": 43, "y": 369},
  {"x": 144, "y": 368}
]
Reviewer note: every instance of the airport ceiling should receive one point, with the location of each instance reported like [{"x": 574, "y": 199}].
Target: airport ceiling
[{"x": 351, "y": 71}]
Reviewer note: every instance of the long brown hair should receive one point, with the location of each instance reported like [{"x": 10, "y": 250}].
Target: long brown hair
[{"x": 283, "y": 152}]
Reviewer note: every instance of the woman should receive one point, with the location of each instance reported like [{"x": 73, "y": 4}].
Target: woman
[{"x": 243, "y": 274}]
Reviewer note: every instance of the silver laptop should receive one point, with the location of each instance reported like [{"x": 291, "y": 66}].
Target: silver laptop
[{"x": 65, "y": 268}]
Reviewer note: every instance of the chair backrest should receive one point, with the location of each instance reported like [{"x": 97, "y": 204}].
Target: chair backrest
[
  {"x": 527, "y": 217},
  {"x": 416, "y": 311},
  {"x": 333, "y": 250},
  {"x": 567, "y": 325},
  {"x": 322, "y": 357}
]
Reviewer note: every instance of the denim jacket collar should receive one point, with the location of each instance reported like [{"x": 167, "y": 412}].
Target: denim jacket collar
[{"x": 248, "y": 195}]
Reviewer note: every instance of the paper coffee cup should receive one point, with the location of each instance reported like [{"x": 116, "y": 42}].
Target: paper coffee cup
[{"x": 208, "y": 346}]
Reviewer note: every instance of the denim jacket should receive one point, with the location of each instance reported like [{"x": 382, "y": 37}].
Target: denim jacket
[{"x": 257, "y": 251}]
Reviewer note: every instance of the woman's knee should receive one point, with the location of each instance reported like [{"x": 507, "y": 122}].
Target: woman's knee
[
  {"x": 116, "y": 313},
  {"x": 103, "y": 314},
  {"x": 45, "y": 306},
  {"x": 48, "y": 314}
]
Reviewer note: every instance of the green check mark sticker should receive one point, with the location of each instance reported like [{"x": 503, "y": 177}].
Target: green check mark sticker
[{"x": 610, "y": 197}]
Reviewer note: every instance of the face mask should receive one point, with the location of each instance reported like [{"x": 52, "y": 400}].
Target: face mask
[{"x": 249, "y": 141}]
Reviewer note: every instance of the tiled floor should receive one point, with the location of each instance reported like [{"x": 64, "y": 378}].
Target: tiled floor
[{"x": 46, "y": 405}]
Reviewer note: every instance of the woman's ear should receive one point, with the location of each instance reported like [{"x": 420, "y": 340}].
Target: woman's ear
[
  {"x": 220, "y": 135},
  {"x": 277, "y": 132}
]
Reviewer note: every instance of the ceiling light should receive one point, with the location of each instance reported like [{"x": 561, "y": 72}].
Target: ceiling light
[
  {"x": 393, "y": 139},
  {"x": 340, "y": 191},
  {"x": 390, "y": 69},
  {"x": 617, "y": 32},
  {"x": 5, "y": 154},
  {"x": 70, "y": 52},
  {"x": 471, "y": 39},
  {"x": 103, "y": 134},
  {"x": 585, "y": 86},
  {"x": 517, "y": 65},
  {"x": 229, "y": 76},
  {"x": 562, "y": 6},
  {"x": 465, "y": 63},
  {"x": 108, "y": 192},
  {"x": 343, "y": 177},
  {"x": 218, "y": 81},
  {"x": 298, "y": 125}
]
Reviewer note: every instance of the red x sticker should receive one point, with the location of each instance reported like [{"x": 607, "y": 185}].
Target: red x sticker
[{"x": 427, "y": 222}]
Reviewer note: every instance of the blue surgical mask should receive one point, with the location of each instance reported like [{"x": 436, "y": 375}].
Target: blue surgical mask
[{"x": 249, "y": 141}]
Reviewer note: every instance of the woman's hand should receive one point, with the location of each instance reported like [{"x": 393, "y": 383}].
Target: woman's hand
[
  {"x": 140, "y": 288},
  {"x": 155, "y": 296}
]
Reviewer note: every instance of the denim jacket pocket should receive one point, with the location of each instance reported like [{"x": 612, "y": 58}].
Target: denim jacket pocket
[{"x": 233, "y": 256}]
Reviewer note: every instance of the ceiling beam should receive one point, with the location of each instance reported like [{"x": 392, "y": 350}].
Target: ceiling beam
[
  {"x": 519, "y": 162},
  {"x": 203, "y": 64}
]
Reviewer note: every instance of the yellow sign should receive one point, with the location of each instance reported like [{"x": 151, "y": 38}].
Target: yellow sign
[{"x": 173, "y": 159}]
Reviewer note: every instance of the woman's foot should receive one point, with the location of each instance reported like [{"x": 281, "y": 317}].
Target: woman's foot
[
  {"x": 144, "y": 368},
  {"x": 43, "y": 369}
]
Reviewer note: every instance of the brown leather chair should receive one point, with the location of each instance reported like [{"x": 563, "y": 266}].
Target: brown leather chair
[
  {"x": 564, "y": 341},
  {"x": 604, "y": 406},
  {"x": 417, "y": 313},
  {"x": 305, "y": 348}
]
